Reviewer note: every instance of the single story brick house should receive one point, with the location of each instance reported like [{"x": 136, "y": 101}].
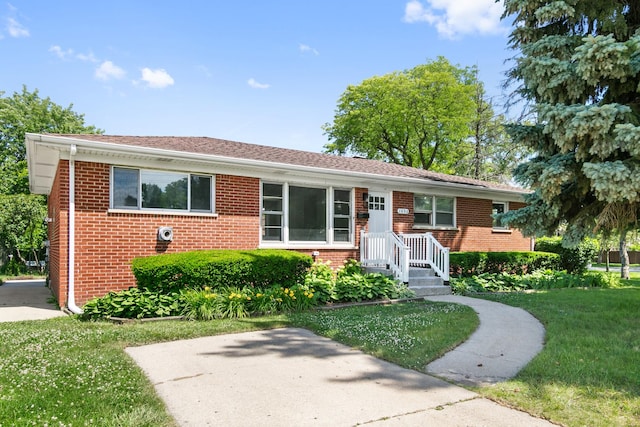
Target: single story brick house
[{"x": 113, "y": 198}]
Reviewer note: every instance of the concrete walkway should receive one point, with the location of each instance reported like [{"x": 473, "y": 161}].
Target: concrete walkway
[
  {"x": 26, "y": 300},
  {"x": 292, "y": 377},
  {"x": 504, "y": 343}
]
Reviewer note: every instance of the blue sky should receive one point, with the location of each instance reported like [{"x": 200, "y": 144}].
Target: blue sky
[{"x": 263, "y": 72}]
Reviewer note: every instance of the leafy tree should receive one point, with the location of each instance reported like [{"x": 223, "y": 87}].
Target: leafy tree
[
  {"x": 579, "y": 65},
  {"x": 418, "y": 117},
  {"x": 495, "y": 155},
  {"x": 22, "y": 229},
  {"x": 22, "y": 226},
  {"x": 26, "y": 112}
]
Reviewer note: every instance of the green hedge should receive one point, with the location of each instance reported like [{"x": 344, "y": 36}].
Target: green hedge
[
  {"x": 465, "y": 264},
  {"x": 543, "y": 279},
  {"x": 216, "y": 268},
  {"x": 574, "y": 260}
]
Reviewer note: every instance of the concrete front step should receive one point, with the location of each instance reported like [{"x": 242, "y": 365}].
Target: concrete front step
[
  {"x": 416, "y": 272},
  {"x": 430, "y": 290},
  {"x": 422, "y": 281}
]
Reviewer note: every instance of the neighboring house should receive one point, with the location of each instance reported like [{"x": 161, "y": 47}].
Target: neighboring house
[{"x": 113, "y": 198}]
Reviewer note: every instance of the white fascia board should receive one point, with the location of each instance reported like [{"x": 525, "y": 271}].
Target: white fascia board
[{"x": 135, "y": 156}]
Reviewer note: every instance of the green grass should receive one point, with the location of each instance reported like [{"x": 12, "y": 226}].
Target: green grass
[
  {"x": 410, "y": 335},
  {"x": 612, "y": 265},
  {"x": 26, "y": 276},
  {"x": 589, "y": 370},
  {"x": 63, "y": 372}
]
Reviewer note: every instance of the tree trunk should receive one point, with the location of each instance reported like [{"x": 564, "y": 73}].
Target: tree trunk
[
  {"x": 607, "y": 258},
  {"x": 624, "y": 256}
]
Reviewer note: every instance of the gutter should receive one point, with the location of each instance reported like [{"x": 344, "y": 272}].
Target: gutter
[{"x": 71, "y": 297}]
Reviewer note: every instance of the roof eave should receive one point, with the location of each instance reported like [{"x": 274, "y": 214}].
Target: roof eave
[{"x": 62, "y": 144}]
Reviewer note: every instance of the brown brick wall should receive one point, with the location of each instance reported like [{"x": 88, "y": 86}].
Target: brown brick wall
[{"x": 474, "y": 226}]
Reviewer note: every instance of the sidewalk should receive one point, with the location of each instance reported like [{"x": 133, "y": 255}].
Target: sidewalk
[
  {"x": 292, "y": 377},
  {"x": 26, "y": 300}
]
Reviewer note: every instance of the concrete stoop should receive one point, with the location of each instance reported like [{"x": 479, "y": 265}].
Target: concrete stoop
[{"x": 423, "y": 281}]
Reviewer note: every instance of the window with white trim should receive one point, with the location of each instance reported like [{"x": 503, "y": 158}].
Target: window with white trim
[
  {"x": 433, "y": 211},
  {"x": 499, "y": 208},
  {"x": 295, "y": 213},
  {"x": 145, "y": 189}
]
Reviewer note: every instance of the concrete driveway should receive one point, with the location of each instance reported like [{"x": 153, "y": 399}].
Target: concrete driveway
[
  {"x": 292, "y": 377},
  {"x": 26, "y": 300}
]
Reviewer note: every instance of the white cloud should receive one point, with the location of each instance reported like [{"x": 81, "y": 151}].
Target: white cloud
[
  {"x": 108, "y": 71},
  {"x": 254, "y": 84},
  {"x": 59, "y": 52},
  {"x": 16, "y": 29},
  {"x": 69, "y": 53},
  {"x": 87, "y": 57},
  {"x": 306, "y": 48},
  {"x": 455, "y": 18},
  {"x": 156, "y": 79}
]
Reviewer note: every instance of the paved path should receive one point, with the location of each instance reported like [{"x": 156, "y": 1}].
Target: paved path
[
  {"x": 504, "y": 343},
  {"x": 292, "y": 377},
  {"x": 26, "y": 300}
]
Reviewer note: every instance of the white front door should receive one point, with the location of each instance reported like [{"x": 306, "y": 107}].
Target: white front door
[
  {"x": 379, "y": 207},
  {"x": 376, "y": 248}
]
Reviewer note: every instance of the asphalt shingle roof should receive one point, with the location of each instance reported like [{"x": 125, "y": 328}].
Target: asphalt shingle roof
[{"x": 241, "y": 150}]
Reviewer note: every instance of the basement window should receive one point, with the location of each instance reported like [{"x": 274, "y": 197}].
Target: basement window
[{"x": 144, "y": 189}]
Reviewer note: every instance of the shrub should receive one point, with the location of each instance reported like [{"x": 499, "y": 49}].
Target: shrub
[
  {"x": 547, "y": 279},
  {"x": 465, "y": 264},
  {"x": 215, "y": 268},
  {"x": 321, "y": 285},
  {"x": 133, "y": 303},
  {"x": 574, "y": 260},
  {"x": 206, "y": 304},
  {"x": 354, "y": 285},
  {"x": 322, "y": 278},
  {"x": 13, "y": 267}
]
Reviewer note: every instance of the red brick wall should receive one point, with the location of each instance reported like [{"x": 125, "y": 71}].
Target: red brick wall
[
  {"x": 107, "y": 242},
  {"x": 474, "y": 226},
  {"x": 58, "y": 233}
]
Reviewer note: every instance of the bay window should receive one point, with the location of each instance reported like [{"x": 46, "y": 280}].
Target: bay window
[{"x": 295, "y": 213}]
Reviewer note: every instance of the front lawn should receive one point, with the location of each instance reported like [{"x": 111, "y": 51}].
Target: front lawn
[
  {"x": 63, "y": 372},
  {"x": 66, "y": 372},
  {"x": 589, "y": 371}
]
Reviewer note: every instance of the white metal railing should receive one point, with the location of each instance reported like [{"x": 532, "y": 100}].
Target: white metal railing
[
  {"x": 426, "y": 250},
  {"x": 399, "y": 252},
  {"x": 385, "y": 250}
]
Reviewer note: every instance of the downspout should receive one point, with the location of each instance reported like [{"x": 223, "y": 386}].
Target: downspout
[{"x": 71, "y": 297}]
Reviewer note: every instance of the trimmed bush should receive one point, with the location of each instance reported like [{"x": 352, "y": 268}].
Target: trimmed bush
[
  {"x": 574, "y": 260},
  {"x": 215, "y": 268},
  {"x": 547, "y": 279},
  {"x": 465, "y": 264}
]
